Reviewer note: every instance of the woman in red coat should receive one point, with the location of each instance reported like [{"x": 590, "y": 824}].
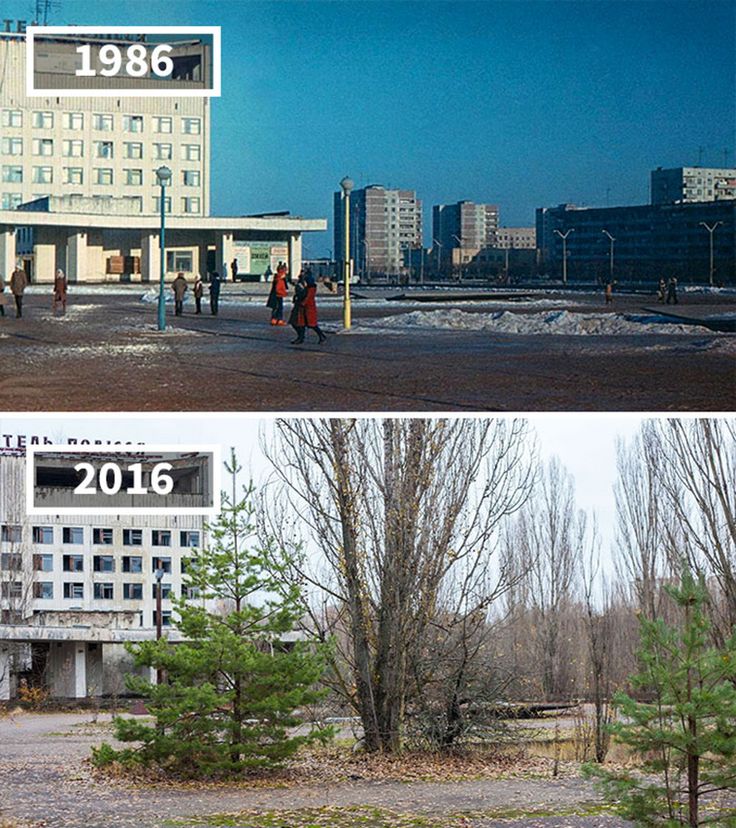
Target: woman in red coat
[
  {"x": 304, "y": 312},
  {"x": 279, "y": 290}
]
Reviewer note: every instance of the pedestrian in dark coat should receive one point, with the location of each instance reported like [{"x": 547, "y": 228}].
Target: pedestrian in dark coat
[
  {"x": 2, "y": 295},
  {"x": 279, "y": 290},
  {"x": 306, "y": 316},
  {"x": 61, "y": 286},
  {"x": 234, "y": 269},
  {"x": 18, "y": 284},
  {"x": 198, "y": 291},
  {"x": 214, "y": 292},
  {"x": 180, "y": 287},
  {"x": 672, "y": 291}
]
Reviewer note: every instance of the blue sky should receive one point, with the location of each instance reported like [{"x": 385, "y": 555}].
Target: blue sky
[{"x": 518, "y": 103}]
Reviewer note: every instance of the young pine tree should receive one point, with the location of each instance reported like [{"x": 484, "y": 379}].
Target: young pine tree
[
  {"x": 685, "y": 733},
  {"x": 231, "y": 689}
]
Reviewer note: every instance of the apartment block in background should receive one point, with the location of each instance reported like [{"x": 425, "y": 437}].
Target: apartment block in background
[
  {"x": 460, "y": 231},
  {"x": 687, "y": 184}
]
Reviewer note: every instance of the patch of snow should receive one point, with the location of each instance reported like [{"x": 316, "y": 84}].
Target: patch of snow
[{"x": 555, "y": 322}]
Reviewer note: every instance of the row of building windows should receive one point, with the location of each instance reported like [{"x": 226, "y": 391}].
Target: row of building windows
[
  {"x": 12, "y": 533},
  {"x": 74, "y": 148},
  {"x": 101, "y": 122},
  {"x": 188, "y": 204},
  {"x": 13, "y": 561},
  {"x": 13, "y": 174},
  {"x": 102, "y": 591}
]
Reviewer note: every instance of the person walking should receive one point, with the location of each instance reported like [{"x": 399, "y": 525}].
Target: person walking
[
  {"x": 672, "y": 291},
  {"x": 661, "y": 291},
  {"x": 180, "y": 287},
  {"x": 214, "y": 292},
  {"x": 18, "y": 284},
  {"x": 2, "y": 295},
  {"x": 234, "y": 269},
  {"x": 275, "y": 301},
  {"x": 61, "y": 286},
  {"x": 198, "y": 292},
  {"x": 608, "y": 292},
  {"x": 306, "y": 316}
]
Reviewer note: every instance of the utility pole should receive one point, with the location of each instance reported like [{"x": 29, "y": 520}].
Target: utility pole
[
  {"x": 612, "y": 240},
  {"x": 564, "y": 236}
]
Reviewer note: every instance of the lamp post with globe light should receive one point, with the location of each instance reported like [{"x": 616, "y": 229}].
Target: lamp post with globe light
[
  {"x": 163, "y": 174},
  {"x": 347, "y": 187}
]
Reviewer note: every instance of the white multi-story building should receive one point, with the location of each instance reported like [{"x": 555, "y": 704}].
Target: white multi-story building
[
  {"x": 687, "y": 184},
  {"x": 102, "y": 147},
  {"x": 73, "y": 589}
]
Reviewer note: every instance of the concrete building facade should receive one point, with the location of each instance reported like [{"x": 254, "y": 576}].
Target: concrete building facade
[
  {"x": 384, "y": 223},
  {"x": 688, "y": 184},
  {"x": 75, "y": 588},
  {"x": 516, "y": 238},
  {"x": 102, "y": 147},
  {"x": 462, "y": 230}
]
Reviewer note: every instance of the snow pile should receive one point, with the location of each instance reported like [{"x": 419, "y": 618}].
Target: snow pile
[{"x": 554, "y": 322}]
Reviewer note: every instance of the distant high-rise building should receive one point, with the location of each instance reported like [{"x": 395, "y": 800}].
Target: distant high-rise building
[
  {"x": 383, "y": 223},
  {"x": 516, "y": 238},
  {"x": 463, "y": 229},
  {"x": 686, "y": 184}
]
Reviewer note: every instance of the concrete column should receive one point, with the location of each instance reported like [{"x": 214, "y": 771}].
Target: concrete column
[
  {"x": 80, "y": 670},
  {"x": 224, "y": 254},
  {"x": 295, "y": 255},
  {"x": 150, "y": 257},
  {"x": 44, "y": 262},
  {"x": 7, "y": 252},
  {"x": 202, "y": 259},
  {"x": 4, "y": 673},
  {"x": 76, "y": 257}
]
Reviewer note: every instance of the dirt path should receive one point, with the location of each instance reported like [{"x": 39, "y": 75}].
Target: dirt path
[{"x": 45, "y": 781}]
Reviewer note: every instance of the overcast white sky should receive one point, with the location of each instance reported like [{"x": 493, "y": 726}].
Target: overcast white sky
[{"x": 585, "y": 443}]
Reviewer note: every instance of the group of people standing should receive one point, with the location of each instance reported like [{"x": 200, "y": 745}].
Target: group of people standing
[
  {"x": 667, "y": 291},
  {"x": 304, "y": 303},
  {"x": 18, "y": 283},
  {"x": 180, "y": 287}
]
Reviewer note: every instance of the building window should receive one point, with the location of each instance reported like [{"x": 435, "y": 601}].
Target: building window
[
  {"x": 103, "y": 175},
  {"x": 73, "y": 175},
  {"x": 157, "y": 204},
  {"x": 43, "y": 175},
  {"x": 73, "y": 590},
  {"x": 43, "y": 146},
  {"x": 162, "y": 152},
  {"x": 133, "y": 178},
  {"x": 177, "y": 260},
  {"x": 12, "y": 146},
  {"x": 11, "y": 200},
  {"x": 132, "y": 123},
  {"x": 73, "y": 563},
  {"x": 73, "y": 120},
  {"x": 43, "y": 563},
  {"x": 136, "y": 203},
  {"x": 161, "y": 537},
  {"x": 132, "y": 563},
  {"x": 191, "y": 178},
  {"x": 102, "y": 536},
  {"x": 191, "y": 126},
  {"x": 162, "y": 124},
  {"x": 42, "y": 534},
  {"x": 189, "y": 539},
  {"x": 165, "y": 618},
  {"x": 103, "y": 563},
  {"x": 72, "y": 534},
  {"x": 133, "y": 150},
  {"x": 12, "y": 174},
  {"x": 188, "y": 591},
  {"x": 43, "y": 590},
  {"x": 132, "y": 537},
  {"x": 191, "y": 152},
  {"x": 190, "y": 204},
  {"x": 10, "y": 533},
  {"x": 165, "y": 591},
  {"x": 43, "y": 120},
  {"x": 133, "y": 592},
  {"x": 12, "y": 118},
  {"x": 10, "y": 561},
  {"x": 103, "y": 149},
  {"x": 11, "y": 589},
  {"x": 164, "y": 563},
  {"x": 103, "y": 123},
  {"x": 103, "y": 592},
  {"x": 73, "y": 149}
]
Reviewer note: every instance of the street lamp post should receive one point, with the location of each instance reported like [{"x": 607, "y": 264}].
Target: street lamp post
[
  {"x": 612, "y": 240},
  {"x": 163, "y": 174},
  {"x": 439, "y": 255},
  {"x": 366, "y": 261},
  {"x": 460, "y": 248},
  {"x": 564, "y": 236},
  {"x": 159, "y": 573},
  {"x": 711, "y": 230},
  {"x": 347, "y": 186}
]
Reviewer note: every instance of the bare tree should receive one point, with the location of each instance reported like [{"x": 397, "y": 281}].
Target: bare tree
[{"x": 403, "y": 515}]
